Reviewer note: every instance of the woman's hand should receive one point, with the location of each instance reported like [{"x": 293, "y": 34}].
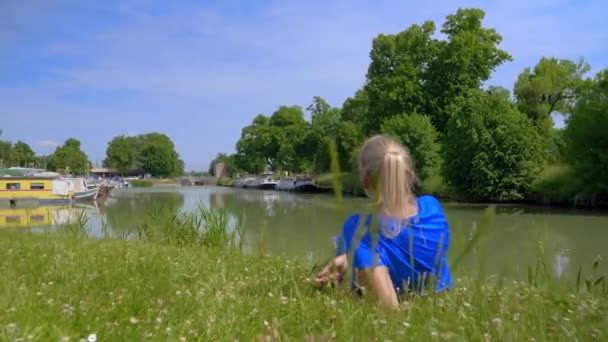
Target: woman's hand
[{"x": 333, "y": 271}]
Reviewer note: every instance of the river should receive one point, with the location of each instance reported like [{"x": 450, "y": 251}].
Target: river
[{"x": 302, "y": 225}]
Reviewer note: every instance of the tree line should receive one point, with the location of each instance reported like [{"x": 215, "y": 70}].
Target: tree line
[
  {"x": 152, "y": 153},
  {"x": 483, "y": 142}
]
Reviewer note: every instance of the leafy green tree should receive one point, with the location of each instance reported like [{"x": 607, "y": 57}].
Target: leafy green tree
[
  {"x": 417, "y": 133},
  {"x": 492, "y": 151},
  {"x": 273, "y": 142},
  {"x": 70, "y": 158},
  {"x": 462, "y": 62},
  {"x": 349, "y": 139},
  {"x": 22, "y": 154},
  {"x": 5, "y": 153},
  {"x": 355, "y": 109},
  {"x": 586, "y": 138},
  {"x": 551, "y": 87},
  {"x": 398, "y": 64},
  {"x": 325, "y": 121},
  {"x": 156, "y": 155},
  {"x": 121, "y": 153}
]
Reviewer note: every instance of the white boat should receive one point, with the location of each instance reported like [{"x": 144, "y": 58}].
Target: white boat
[
  {"x": 240, "y": 183},
  {"x": 287, "y": 183},
  {"x": 80, "y": 189},
  {"x": 265, "y": 182}
]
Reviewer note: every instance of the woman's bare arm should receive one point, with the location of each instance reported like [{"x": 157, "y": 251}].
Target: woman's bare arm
[{"x": 379, "y": 281}]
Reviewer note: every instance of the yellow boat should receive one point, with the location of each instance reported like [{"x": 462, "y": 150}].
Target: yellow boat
[{"x": 43, "y": 190}]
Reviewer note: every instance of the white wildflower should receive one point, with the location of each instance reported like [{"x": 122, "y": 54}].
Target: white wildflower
[
  {"x": 92, "y": 337},
  {"x": 497, "y": 323}
]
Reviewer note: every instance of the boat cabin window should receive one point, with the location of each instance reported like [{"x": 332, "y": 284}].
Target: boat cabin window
[
  {"x": 13, "y": 186},
  {"x": 37, "y": 186},
  {"x": 13, "y": 219},
  {"x": 37, "y": 218}
]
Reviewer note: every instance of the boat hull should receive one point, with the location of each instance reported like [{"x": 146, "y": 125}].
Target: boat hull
[
  {"x": 86, "y": 194},
  {"x": 267, "y": 186}
]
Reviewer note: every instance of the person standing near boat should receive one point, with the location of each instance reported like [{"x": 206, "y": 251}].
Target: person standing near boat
[{"x": 412, "y": 236}]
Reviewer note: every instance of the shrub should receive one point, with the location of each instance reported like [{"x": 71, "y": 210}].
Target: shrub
[
  {"x": 492, "y": 151},
  {"x": 586, "y": 139},
  {"x": 417, "y": 133},
  {"x": 141, "y": 183},
  {"x": 556, "y": 184}
]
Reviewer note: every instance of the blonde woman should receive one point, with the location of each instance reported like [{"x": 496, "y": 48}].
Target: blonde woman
[{"x": 412, "y": 238}]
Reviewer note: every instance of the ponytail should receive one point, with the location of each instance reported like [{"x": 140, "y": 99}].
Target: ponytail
[{"x": 393, "y": 184}]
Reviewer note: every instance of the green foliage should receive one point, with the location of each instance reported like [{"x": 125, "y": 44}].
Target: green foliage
[
  {"x": 398, "y": 64},
  {"x": 18, "y": 154},
  {"x": 154, "y": 153},
  {"x": 491, "y": 150},
  {"x": 5, "y": 153},
  {"x": 349, "y": 139},
  {"x": 462, "y": 63},
  {"x": 276, "y": 142},
  {"x": 417, "y": 133},
  {"x": 141, "y": 183},
  {"x": 69, "y": 158},
  {"x": 157, "y": 155},
  {"x": 587, "y": 141},
  {"x": 121, "y": 153},
  {"x": 551, "y": 87},
  {"x": 555, "y": 185},
  {"x": 22, "y": 154}
]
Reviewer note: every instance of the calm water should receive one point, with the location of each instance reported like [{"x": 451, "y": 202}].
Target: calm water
[{"x": 301, "y": 225}]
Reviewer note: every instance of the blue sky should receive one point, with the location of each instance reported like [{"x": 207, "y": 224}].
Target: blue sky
[{"x": 201, "y": 70}]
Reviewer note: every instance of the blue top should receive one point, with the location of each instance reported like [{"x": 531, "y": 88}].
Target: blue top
[{"x": 416, "y": 256}]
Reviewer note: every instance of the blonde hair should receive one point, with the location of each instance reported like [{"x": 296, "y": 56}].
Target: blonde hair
[{"x": 388, "y": 165}]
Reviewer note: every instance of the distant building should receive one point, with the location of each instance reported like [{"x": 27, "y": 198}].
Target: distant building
[
  {"x": 219, "y": 170},
  {"x": 108, "y": 172}
]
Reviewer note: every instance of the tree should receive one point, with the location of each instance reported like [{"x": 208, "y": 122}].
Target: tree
[
  {"x": 156, "y": 155},
  {"x": 5, "y": 153},
  {"x": 22, "y": 154},
  {"x": 394, "y": 77},
  {"x": 70, "y": 158},
  {"x": 492, "y": 151},
  {"x": 462, "y": 62},
  {"x": 274, "y": 142},
  {"x": 325, "y": 121},
  {"x": 348, "y": 141},
  {"x": 355, "y": 109},
  {"x": 417, "y": 133},
  {"x": 121, "y": 153},
  {"x": 586, "y": 139},
  {"x": 551, "y": 87}
]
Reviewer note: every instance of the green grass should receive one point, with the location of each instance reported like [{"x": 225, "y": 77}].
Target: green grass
[
  {"x": 141, "y": 183},
  {"x": 224, "y": 182},
  {"x": 56, "y": 286}
]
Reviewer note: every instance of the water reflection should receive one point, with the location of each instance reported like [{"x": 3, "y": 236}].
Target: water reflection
[
  {"x": 127, "y": 209},
  {"x": 38, "y": 217}
]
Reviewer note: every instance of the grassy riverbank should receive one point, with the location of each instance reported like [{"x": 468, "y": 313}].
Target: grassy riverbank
[{"x": 180, "y": 286}]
